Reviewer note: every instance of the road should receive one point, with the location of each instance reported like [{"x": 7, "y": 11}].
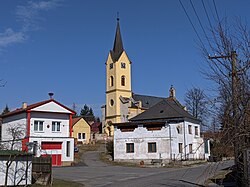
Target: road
[{"x": 99, "y": 174}]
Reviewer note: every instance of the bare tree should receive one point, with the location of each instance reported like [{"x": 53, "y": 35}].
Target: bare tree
[
  {"x": 196, "y": 103},
  {"x": 229, "y": 70},
  {"x": 12, "y": 146}
]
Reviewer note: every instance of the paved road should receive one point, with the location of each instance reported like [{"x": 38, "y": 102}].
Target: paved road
[{"x": 98, "y": 174}]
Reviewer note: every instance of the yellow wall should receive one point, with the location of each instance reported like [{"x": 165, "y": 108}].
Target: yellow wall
[
  {"x": 82, "y": 127},
  {"x": 114, "y": 92}
]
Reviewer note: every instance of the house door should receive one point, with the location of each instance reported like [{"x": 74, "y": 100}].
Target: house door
[{"x": 51, "y": 149}]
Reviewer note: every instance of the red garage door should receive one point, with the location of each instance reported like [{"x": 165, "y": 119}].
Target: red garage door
[{"x": 56, "y": 158}]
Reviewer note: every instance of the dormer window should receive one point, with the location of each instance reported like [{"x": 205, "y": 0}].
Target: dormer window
[
  {"x": 123, "y": 65},
  {"x": 111, "y": 66}
]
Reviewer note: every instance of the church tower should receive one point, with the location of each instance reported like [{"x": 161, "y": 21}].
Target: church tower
[{"x": 118, "y": 81}]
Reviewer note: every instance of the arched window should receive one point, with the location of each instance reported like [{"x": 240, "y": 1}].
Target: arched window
[
  {"x": 111, "y": 81},
  {"x": 123, "y": 80}
]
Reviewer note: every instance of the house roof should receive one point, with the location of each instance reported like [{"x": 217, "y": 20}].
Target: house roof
[
  {"x": 32, "y": 106},
  {"x": 76, "y": 119},
  {"x": 147, "y": 101},
  {"x": 118, "y": 45},
  {"x": 166, "y": 109}
]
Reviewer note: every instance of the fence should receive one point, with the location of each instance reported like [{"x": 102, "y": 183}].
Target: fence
[{"x": 42, "y": 170}]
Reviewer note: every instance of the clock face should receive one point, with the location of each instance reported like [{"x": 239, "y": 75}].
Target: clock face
[
  {"x": 123, "y": 65},
  {"x": 111, "y": 66}
]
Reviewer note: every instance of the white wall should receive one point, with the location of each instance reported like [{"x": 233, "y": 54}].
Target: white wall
[
  {"x": 17, "y": 171},
  {"x": 19, "y": 122},
  {"x": 164, "y": 148},
  {"x": 48, "y": 118}
]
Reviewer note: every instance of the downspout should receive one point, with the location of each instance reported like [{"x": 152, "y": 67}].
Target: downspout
[
  {"x": 170, "y": 141},
  {"x": 70, "y": 125},
  {"x": 184, "y": 128}
]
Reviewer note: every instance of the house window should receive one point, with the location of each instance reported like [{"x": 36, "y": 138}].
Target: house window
[
  {"x": 180, "y": 148},
  {"x": 129, "y": 147},
  {"x": 179, "y": 130},
  {"x": 123, "y": 80},
  {"x": 81, "y": 136},
  {"x": 68, "y": 149},
  {"x": 196, "y": 131},
  {"x": 38, "y": 126},
  {"x": 123, "y": 65},
  {"x": 56, "y": 126},
  {"x": 111, "y": 66},
  {"x": 190, "y": 148},
  {"x": 189, "y": 129},
  {"x": 152, "y": 147},
  {"x": 111, "y": 81}
]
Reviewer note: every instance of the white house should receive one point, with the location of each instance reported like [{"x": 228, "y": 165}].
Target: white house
[
  {"x": 166, "y": 131},
  {"x": 46, "y": 127}
]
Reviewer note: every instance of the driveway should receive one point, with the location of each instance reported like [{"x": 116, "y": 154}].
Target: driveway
[{"x": 96, "y": 173}]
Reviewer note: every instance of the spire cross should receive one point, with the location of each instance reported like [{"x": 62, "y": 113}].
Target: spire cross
[{"x": 117, "y": 15}]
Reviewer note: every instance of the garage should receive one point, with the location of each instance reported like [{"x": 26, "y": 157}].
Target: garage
[{"x": 52, "y": 149}]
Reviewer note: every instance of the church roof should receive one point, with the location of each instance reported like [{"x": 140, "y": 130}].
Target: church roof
[
  {"x": 167, "y": 109},
  {"x": 147, "y": 101},
  {"x": 118, "y": 45}
]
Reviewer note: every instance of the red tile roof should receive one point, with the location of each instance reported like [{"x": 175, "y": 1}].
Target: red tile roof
[{"x": 75, "y": 120}]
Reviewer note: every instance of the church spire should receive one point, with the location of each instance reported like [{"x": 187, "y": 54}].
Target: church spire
[{"x": 118, "y": 45}]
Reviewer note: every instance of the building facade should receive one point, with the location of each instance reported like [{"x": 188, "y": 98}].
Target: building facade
[
  {"x": 121, "y": 103},
  {"x": 81, "y": 130},
  {"x": 165, "y": 131},
  {"x": 46, "y": 129}
]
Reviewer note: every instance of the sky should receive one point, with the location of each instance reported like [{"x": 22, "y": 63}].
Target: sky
[{"x": 61, "y": 46}]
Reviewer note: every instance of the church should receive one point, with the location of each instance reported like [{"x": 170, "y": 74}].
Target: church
[
  {"x": 121, "y": 103},
  {"x": 146, "y": 128}
]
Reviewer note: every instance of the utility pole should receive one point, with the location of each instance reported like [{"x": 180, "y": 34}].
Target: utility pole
[{"x": 234, "y": 73}]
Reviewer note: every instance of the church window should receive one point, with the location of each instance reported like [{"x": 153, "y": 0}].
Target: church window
[
  {"x": 123, "y": 80},
  {"x": 111, "y": 81},
  {"x": 112, "y": 102},
  {"x": 111, "y": 66},
  {"x": 123, "y": 65}
]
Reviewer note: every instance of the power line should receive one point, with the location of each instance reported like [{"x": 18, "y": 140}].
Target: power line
[
  {"x": 217, "y": 15},
  {"x": 193, "y": 26},
  {"x": 209, "y": 21},
  {"x": 200, "y": 22}
]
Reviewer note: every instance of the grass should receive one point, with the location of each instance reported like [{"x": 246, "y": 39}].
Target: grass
[{"x": 61, "y": 183}]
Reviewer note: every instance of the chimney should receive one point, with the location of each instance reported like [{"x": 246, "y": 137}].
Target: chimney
[
  {"x": 172, "y": 92},
  {"x": 24, "y": 105},
  {"x": 51, "y": 95}
]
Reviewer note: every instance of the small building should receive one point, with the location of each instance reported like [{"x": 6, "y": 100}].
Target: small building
[
  {"x": 81, "y": 130},
  {"x": 45, "y": 126},
  {"x": 166, "y": 131}
]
